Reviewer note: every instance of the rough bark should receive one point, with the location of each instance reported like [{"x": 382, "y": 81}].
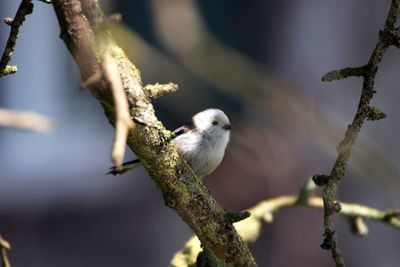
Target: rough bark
[{"x": 84, "y": 32}]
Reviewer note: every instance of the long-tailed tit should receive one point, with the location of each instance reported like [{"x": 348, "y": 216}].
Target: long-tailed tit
[{"x": 202, "y": 144}]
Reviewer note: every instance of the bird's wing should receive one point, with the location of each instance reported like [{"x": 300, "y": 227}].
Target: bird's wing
[
  {"x": 134, "y": 163},
  {"x": 182, "y": 130}
]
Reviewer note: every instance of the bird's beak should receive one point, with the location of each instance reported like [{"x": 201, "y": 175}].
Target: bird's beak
[{"x": 227, "y": 127}]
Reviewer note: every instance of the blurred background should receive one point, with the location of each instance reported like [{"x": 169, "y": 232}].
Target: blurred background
[{"x": 261, "y": 62}]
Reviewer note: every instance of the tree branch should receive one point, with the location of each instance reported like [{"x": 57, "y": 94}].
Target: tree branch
[
  {"x": 250, "y": 228},
  {"x": 157, "y": 90},
  {"x": 4, "y": 247},
  {"x": 123, "y": 119},
  {"x": 182, "y": 191},
  {"x": 25, "y": 8},
  {"x": 364, "y": 112},
  {"x": 343, "y": 73}
]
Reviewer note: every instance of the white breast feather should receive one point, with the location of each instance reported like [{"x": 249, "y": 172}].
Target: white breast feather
[{"x": 203, "y": 154}]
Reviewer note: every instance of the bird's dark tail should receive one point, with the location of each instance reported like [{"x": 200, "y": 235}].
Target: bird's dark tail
[{"x": 125, "y": 167}]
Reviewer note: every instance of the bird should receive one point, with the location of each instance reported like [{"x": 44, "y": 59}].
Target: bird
[{"x": 202, "y": 143}]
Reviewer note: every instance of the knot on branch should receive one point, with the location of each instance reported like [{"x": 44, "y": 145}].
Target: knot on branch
[
  {"x": 375, "y": 114},
  {"x": 391, "y": 36},
  {"x": 321, "y": 179},
  {"x": 329, "y": 240},
  {"x": 336, "y": 207},
  {"x": 157, "y": 90},
  {"x": 389, "y": 214},
  {"x": 233, "y": 217},
  {"x": 331, "y": 208}
]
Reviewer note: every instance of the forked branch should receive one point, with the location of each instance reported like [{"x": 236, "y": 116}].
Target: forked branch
[{"x": 388, "y": 36}]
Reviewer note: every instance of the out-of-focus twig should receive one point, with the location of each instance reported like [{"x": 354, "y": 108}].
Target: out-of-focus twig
[
  {"x": 123, "y": 120},
  {"x": 25, "y": 120},
  {"x": 365, "y": 111},
  {"x": 25, "y": 8},
  {"x": 4, "y": 247},
  {"x": 250, "y": 228}
]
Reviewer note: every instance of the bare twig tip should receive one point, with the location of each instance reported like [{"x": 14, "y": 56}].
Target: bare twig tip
[
  {"x": 320, "y": 179},
  {"x": 8, "y": 70},
  {"x": 358, "y": 226},
  {"x": 8, "y": 20},
  {"x": 156, "y": 90},
  {"x": 4, "y": 243},
  {"x": 237, "y": 216},
  {"x": 375, "y": 114},
  {"x": 343, "y": 73}
]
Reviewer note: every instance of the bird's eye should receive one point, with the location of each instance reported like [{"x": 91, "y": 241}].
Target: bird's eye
[{"x": 215, "y": 122}]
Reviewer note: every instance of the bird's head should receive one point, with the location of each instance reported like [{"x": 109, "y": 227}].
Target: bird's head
[{"x": 213, "y": 122}]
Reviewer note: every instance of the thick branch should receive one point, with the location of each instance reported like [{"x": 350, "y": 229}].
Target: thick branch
[
  {"x": 182, "y": 191},
  {"x": 24, "y": 9},
  {"x": 364, "y": 112}
]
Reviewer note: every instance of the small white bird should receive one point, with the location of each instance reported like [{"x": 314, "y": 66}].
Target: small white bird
[{"x": 202, "y": 144}]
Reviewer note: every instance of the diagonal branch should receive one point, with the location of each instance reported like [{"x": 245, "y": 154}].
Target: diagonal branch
[
  {"x": 25, "y": 8},
  {"x": 364, "y": 112},
  {"x": 182, "y": 191}
]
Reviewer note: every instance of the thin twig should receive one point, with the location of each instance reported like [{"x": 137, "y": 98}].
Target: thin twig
[
  {"x": 157, "y": 90},
  {"x": 364, "y": 112},
  {"x": 343, "y": 73},
  {"x": 4, "y": 247},
  {"x": 25, "y": 8},
  {"x": 123, "y": 120},
  {"x": 25, "y": 120}
]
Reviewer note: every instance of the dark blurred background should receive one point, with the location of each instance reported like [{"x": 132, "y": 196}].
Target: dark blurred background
[{"x": 261, "y": 62}]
